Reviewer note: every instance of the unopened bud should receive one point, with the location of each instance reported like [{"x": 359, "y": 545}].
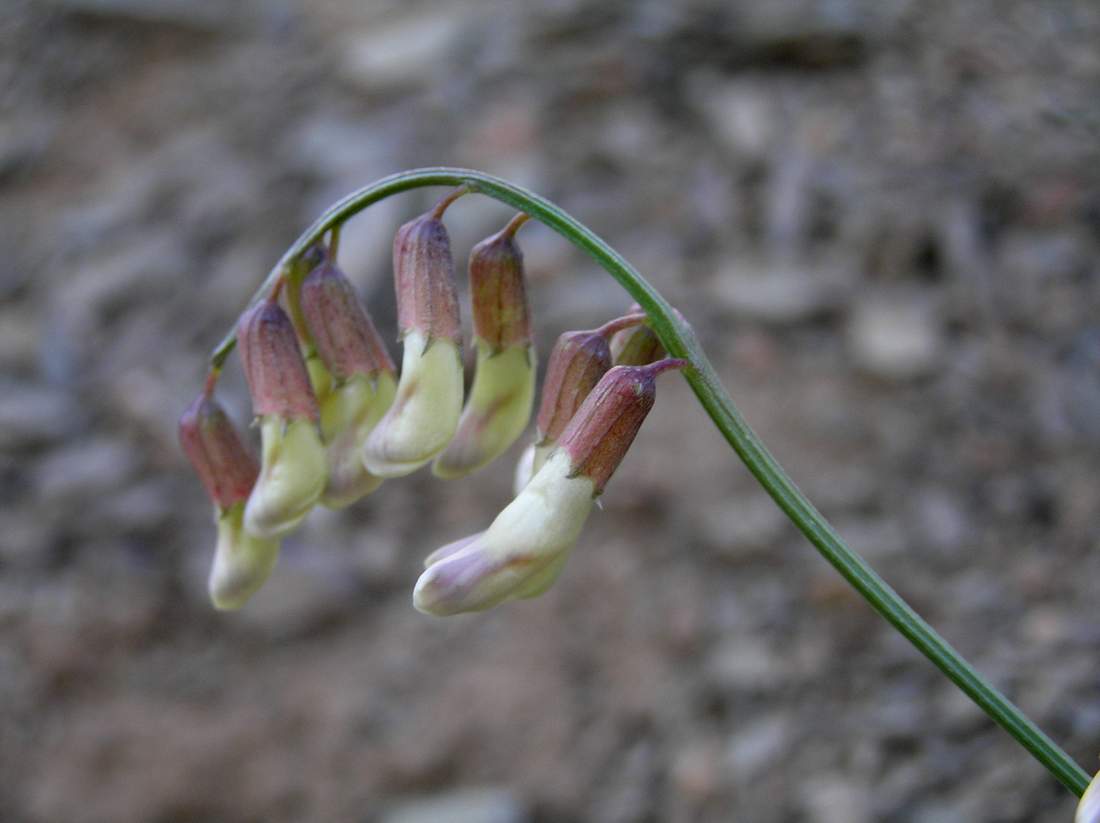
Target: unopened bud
[
  {"x": 349, "y": 414},
  {"x": 224, "y": 464},
  {"x": 503, "y": 390},
  {"x": 242, "y": 562},
  {"x": 342, "y": 331},
  {"x": 426, "y": 409},
  {"x": 362, "y": 383},
  {"x": 578, "y": 361},
  {"x": 519, "y": 555},
  {"x": 498, "y": 292},
  {"x": 636, "y": 346},
  {"x": 1088, "y": 809},
  {"x": 273, "y": 365},
  {"x": 424, "y": 277},
  {"x": 602, "y": 430}
]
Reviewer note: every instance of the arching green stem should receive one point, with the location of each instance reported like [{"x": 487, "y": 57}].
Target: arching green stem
[{"x": 679, "y": 341}]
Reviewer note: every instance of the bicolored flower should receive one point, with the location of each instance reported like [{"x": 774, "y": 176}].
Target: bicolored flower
[
  {"x": 359, "y": 375},
  {"x": 524, "y": 549},
  {"x": 577, "y": 362},
  {"x": 228, "y": 471},
  {"x": 425, "y": 412},
  {"x": 503, "y": 390},
  {"x": 293, "y": 467}
]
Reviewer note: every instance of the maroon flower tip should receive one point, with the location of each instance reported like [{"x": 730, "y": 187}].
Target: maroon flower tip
[
  {"x": 498, "y": 294},
  {"x": 577, "y": 362},
  {"x": 598, "y": 436},
  {"x": 424, "y": 278},
  {"x": 342, "y": 330},
  {"x": 223, "y": 463},
  {"x": 277, "y": 377}
]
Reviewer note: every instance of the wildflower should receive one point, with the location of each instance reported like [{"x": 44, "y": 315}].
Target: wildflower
[
  {"x": 524, "y": 549},
  {"x": 503, "y": 390},
  {"x": 228, "y": 471},
  {"x": 425, "y": 412},
  {"x": 358, "y": 373},
  {"x": 577, "y": 362},
  {"x": 292, "y": 462}
]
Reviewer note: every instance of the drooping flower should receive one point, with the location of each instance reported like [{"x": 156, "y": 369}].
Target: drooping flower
[
  {"x": 577, "y": 362},
  {"x": 524, "y": 549},
  {"x": 292, "y": 462},
  {"x": 503, "y": 390},
  {"x": 361, "y": 383},
  {"x": 228, "y": 471},
  {"x": 425, "y": 412}
]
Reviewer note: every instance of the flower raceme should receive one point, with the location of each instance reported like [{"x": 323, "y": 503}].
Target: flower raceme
[
  {"x": 335, "y": 418},
  {"x": 524, "y": 549}
]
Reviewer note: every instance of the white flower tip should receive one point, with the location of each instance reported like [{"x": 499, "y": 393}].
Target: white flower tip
[
  {"x": 425, "y": 412},
  {"x": 292, "y": 477},
  {"x": 242, "y": 563},
  {"x": 1088, "y": 809}
]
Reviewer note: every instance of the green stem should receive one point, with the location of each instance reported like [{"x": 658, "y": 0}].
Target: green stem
[{"x": 679, "y": 340}]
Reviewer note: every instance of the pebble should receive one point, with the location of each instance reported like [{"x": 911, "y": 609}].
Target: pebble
[
  {"x": 895, "y": 338},
  {"x": 472, "y": 805}
]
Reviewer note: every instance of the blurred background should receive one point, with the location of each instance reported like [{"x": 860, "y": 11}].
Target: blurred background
[{"x": 881, "y": 216}]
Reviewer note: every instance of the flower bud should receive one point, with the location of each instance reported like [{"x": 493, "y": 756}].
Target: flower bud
[
  {"x": 1088, "y": 809},
  {"x": 292, "y": 462},
  {"x": 636, "y": 346},
  {"x": 577, "y": 362},
  {"x": 211, "y": 442},
  {"x": 519, "y": 555},
  {"x": 362, "y": 384},
  {"x": 273, "y": 366},
  {"x": 424, "y": 278},
  {"x": 503, "y": 390},
  {"x": 424, "y": 415},
  {"x": 601, "y": 431},
  {"x": 342, "y": 331},
  {"x": 242, "y": 563}
]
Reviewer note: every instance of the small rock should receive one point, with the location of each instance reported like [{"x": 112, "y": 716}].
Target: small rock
[
  {"x": 32, "y": 415},
  {"x": 835, "y": 799},
  {"x": 774, "y": 292},
  {"x": 404, "y": 53},
  {"x": 474, "y": 805},
  {"x": 85, "y": 469},
  {"x": 757, "y": 746},
  {"x": 746, "y": 664},
  {"x": 895, "y": 338}
]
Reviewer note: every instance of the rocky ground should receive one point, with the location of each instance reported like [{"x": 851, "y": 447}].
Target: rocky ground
[{"x": 883, "y": 219}]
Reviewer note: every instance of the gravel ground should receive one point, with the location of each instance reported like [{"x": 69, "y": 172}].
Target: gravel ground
[{"x": 882, "y": 218}]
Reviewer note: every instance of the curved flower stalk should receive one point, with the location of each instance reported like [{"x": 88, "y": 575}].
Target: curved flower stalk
[
  {"x": 522, "y": 553},
  {"x": 293, "y": 467},
  {"x": 503, "y": 390},
  {"x": 428, "y": 402},
  {"x": 678, "y": 338},
  {"x": 228, "y": 471},
  {"x": 360, "y": 377}
]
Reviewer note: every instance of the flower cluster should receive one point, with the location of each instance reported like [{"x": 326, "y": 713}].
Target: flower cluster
[{"x": 335, "y": 419}]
